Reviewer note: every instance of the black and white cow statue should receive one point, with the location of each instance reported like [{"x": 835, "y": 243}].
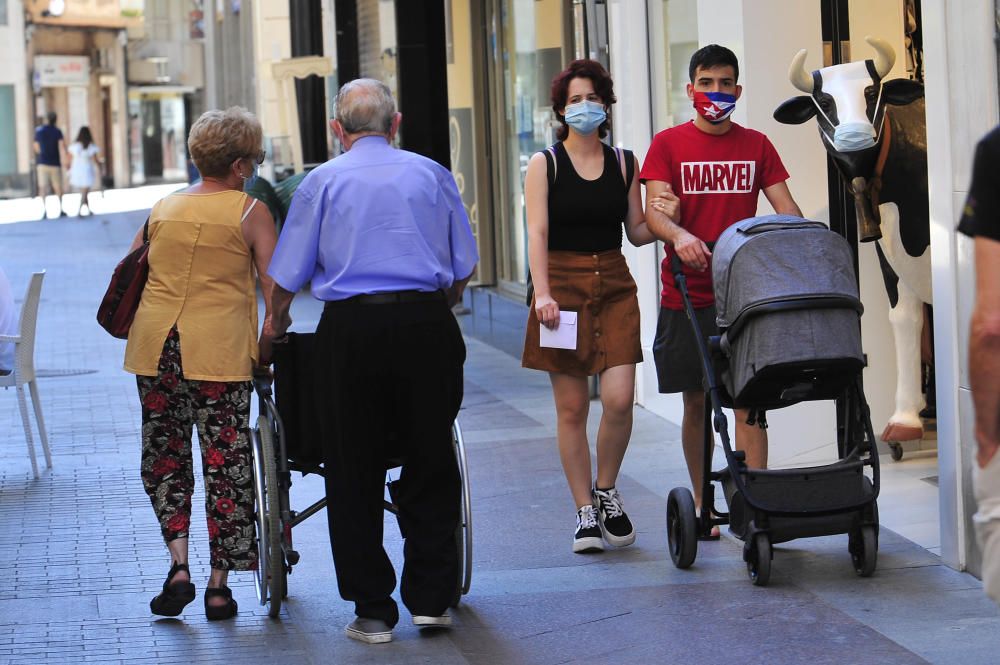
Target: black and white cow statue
[{"x": 876, "y": 133}]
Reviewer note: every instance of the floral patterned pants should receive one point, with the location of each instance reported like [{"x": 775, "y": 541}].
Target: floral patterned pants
[{"x": 221, "y": 411}]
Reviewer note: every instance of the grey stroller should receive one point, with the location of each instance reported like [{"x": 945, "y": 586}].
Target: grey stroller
[{"x": 789, "y": 318}]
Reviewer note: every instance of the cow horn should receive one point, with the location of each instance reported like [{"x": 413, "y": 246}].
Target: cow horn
[
  {"x": 885, "y": 57},
  {"x": 798, "y": 75}
]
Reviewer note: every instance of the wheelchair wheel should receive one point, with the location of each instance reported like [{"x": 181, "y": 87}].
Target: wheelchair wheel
[
  {"x": 270, "y": 573},
  {"x": 682, "y": 527},
  {"x": 463, "y": 532}
]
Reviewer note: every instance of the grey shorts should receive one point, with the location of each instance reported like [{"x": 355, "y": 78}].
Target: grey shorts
[{"x": 675, "y": 352}]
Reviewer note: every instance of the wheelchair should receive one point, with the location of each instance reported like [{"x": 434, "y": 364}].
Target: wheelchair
[{"x": 276, "y": 456}]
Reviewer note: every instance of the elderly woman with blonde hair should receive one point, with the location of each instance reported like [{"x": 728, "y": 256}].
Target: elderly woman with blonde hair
[{"x": 193, "y": 347}]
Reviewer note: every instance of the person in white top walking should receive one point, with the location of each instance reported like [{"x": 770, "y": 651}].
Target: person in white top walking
[{"x": 84, "y": 166}]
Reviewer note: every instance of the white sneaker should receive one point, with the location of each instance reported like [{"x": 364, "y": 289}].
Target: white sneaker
[
  {"x": 421, "y": 621},
  {"x": 369, "y": 631}
]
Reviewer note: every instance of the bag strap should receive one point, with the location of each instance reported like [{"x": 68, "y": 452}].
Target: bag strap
[
  {"x": 247, "y": 211},
  {"x": 551, "y": 165},
  {"x": 145, "y": 232},
  {"x": 626, "y": 163}
]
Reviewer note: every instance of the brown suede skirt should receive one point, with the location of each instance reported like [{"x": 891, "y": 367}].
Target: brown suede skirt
[{"x": 600, "y": 288}]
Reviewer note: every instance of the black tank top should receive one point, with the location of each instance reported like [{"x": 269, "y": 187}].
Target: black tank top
[{"x": 587, "y": 215}]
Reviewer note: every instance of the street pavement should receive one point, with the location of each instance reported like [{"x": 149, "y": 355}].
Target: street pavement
[{"x": 82, "y": 555}]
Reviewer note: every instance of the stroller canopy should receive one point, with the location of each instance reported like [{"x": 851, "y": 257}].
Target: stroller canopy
[{"x": 777, "y": 258}]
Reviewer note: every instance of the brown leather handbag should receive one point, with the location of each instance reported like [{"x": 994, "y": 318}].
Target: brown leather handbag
[{"x": 125, "y": 290}]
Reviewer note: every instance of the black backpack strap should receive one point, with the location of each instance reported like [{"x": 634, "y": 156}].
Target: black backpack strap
[
  {"x": 551, "y": 166},
  {"x": 626, "y": 161},
  {"x": 629, "y": 168}
]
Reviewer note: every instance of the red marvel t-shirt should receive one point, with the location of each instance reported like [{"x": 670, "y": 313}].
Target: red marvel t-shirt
[{"x": 718, "y": 180}]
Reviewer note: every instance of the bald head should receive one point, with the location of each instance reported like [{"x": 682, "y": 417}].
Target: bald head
[{"x": 365, "y": 106}]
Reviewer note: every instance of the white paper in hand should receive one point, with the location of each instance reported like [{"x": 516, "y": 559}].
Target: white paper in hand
[{"x": 563, "y": 336}]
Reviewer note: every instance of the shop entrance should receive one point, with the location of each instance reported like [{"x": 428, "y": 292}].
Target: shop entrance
[{"x": 909, "y": 501}]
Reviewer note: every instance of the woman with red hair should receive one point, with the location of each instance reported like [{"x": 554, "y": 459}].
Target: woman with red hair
[{"x": 579, "y": 193}]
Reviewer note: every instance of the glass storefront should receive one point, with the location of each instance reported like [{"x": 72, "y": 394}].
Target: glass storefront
[
  {"x": 158, "y": 137},
  {"x": 8, "y": 144},
  {"x": 530, "y": 46},
  {"x": 673, "y": 39},
  {"x": 466, "y": 109}
]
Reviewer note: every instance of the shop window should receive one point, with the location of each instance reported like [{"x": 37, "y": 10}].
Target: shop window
[
  {"x": 533, "y": 42},
  {"x": 377, "y": 41},
  {"x": 8, "y": 127},
  {"x": 673, "y": 40},
  {"x": 466, "y": 110}
]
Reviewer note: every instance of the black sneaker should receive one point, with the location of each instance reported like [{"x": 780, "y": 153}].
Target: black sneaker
[
  {"x": 588, "y": 532},
  {"x": 614, "y": 523}
]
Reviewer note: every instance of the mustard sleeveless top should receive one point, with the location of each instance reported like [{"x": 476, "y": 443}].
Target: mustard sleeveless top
[{"x": 201, "y": 279}]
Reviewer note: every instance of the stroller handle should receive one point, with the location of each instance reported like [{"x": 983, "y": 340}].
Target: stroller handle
[{"x": 677, "y": 266}]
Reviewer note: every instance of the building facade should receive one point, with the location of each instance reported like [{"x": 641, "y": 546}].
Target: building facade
[
  {"x": 75, "y": 59},
  {"x": 166, "y": 88},
  {"x": 16, "y": 119}
]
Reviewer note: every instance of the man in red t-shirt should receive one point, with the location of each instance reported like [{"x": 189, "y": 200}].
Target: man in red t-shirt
[{"x": 701, "y": 177}]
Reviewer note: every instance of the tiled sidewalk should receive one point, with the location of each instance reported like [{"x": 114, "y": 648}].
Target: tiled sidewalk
[{"x": 83, "y": 556}]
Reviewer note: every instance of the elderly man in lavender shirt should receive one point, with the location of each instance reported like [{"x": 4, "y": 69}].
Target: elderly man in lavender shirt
[{"x": 383, "y": 237}]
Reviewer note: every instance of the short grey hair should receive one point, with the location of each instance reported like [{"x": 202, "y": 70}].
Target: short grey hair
[{"x": 365, "y": 105}]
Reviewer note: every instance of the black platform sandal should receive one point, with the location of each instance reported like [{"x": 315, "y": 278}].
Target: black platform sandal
[
  {"x": 175, "y": 595},
  {"x": 220, "y": 612}
]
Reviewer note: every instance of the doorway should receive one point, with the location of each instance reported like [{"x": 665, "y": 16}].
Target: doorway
[{"x": 909, "y": 499}]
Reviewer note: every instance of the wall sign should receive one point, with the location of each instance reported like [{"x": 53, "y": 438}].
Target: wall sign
[{"x": 62, "y": 70}]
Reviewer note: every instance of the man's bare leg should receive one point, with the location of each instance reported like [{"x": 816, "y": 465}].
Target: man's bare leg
[
  {"x": 752, "y": 440},
  {"x": 693, "y": 439}
]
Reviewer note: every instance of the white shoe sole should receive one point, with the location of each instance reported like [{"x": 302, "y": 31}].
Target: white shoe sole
[
  {"x": 368, "y": 638},
  {"x": 443, "y": 621},
  {"x": 617, "y": 541},
  {"x": 587, "y": 545}
]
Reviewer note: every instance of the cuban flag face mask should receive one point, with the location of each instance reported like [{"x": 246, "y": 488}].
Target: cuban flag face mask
[{"x": 714, "y": 106}]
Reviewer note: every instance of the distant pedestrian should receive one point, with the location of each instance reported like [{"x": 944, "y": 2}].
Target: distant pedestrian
[
  {"x": 49, "y": 150},
  {"x": 200, "y": 305},
  {"x": 84, "y": 166},
  {"x": 8, "y": 325},
  {"x": 579, "y": 194},
  {"x": 981, "y": 219},
  {"x": 383, "y": 237}
]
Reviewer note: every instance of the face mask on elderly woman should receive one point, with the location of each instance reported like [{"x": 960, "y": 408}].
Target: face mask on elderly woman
[{"x": 249, "y": 180}]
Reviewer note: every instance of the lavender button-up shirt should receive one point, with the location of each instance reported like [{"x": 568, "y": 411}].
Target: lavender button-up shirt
[{"x": 374, "y": 219}]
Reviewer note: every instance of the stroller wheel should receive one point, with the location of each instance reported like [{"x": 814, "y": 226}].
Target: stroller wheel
[
  {"x": 758, "y": 555},
  {"x": 682, "y": 533},
  {"x": 895, "y": 451},
  {"x": 863, "y": 546}
]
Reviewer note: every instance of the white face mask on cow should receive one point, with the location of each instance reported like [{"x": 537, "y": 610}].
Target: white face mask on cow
[{"x": 853, "y": 136}]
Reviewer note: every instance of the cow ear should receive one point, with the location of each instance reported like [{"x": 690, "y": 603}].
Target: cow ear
[
  {"x": 900, "y": 92},
  {"x": 795, "y": 111}
]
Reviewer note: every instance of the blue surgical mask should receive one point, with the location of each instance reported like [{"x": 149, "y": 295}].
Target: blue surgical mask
[
  {"x": 249, "y": 181},
  {"x": 585, "y": 117},
  {"x": 853, "y": 136}
]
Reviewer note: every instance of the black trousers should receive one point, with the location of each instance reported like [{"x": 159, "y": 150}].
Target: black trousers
[{"x": 390, "y": 382}]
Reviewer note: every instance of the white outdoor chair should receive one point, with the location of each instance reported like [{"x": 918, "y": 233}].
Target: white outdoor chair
[{"x": 24, "y": 368}]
